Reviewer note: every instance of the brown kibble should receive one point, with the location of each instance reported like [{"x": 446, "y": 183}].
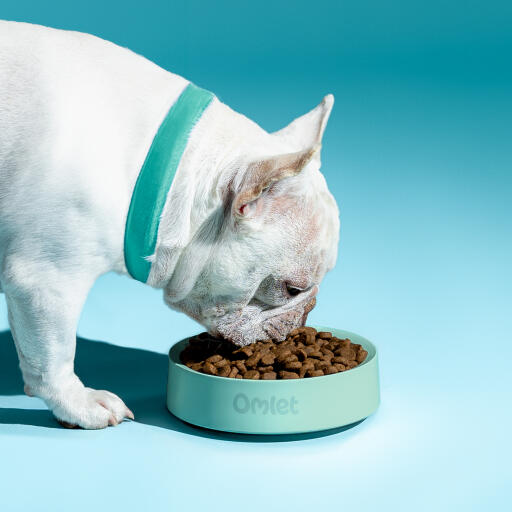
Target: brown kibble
[
  {"x": 241, "y": 366},
  {"x": 247, "y": 351},
  {"x": 253, "y": 360},
  {"x": 327, "y": 352},
  {"x": 268, "y": 358},
  {"x": 224, "y": 371},
  {"x": 304, "y": 353},
  {"x": 309, "y": 364},
  {"x": 301, "y": 338},
  {"x": 310, "y": 330},
  {"x": 345, "y": 352},
  {"x": 361, "y": 355},
  {"x": 252, "y": 374},
  {"x": 282, "y": 354},
  {"x": 288, "y": 375},
  {"x": 210, "y": 369},
  {"x": 301, "y": 354},
  {"x": 340, "y": 359},
  {"x": 310, "y": 339},
  {"x": 320, "y": 365},
  {"x": 293, "y": 365}
]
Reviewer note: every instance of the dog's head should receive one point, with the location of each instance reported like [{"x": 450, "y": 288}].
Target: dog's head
[{"x": 253, "y": 268}]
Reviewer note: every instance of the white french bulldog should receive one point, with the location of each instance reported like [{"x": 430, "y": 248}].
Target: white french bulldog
[{"x": 247, "y": 233}]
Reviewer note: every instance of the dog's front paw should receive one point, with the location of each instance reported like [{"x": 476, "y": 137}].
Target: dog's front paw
[{"x": 88, "y": 408}]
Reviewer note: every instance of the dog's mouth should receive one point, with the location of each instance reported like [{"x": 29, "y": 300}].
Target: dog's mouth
[{"x": 257, "y": 321}]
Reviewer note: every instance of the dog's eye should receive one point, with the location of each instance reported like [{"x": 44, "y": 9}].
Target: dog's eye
[{"x": 292, "y": 290}]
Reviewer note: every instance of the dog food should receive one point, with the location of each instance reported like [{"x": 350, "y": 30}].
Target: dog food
[{"x": 304, "y": 353}]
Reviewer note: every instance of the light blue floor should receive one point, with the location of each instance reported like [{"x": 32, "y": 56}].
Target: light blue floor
[
  {"x": 423, "y": 272},
  {"x": 418, "y": 154}
]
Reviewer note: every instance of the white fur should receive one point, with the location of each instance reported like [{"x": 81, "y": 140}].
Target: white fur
[{"x": 77, "y": 116}]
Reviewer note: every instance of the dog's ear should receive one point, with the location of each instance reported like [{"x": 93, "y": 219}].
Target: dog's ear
[
  {"x": 262, "y": 173},
  {"x": 308, "y": 130}
]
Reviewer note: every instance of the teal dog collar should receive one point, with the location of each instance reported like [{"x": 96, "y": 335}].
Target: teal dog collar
[{"x": 155, "y": 179}]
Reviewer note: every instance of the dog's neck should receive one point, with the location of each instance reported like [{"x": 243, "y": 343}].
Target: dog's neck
[{"x": 202, "y": 181}]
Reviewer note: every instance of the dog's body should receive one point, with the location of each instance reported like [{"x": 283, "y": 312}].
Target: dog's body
[{"x": 239, "y": 227}]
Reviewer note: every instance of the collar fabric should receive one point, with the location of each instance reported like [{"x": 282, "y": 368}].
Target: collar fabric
[{"x": 156, "y": 176}]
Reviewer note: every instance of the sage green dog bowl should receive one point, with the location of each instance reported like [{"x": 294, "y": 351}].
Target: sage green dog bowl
[{"x": 274, "y": 406}]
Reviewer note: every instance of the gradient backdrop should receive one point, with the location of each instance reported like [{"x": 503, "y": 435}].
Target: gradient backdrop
[{"x": 418, "y": 155}]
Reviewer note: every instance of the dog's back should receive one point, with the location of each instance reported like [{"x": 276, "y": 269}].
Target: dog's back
[{"x": 77, "y": 114}]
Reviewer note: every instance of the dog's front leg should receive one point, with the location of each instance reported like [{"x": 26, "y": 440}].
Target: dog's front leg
[{"x": 43, "y": 315}]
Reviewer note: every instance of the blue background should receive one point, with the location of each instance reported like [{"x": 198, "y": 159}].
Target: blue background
[{"x": 418, "y": 155}]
